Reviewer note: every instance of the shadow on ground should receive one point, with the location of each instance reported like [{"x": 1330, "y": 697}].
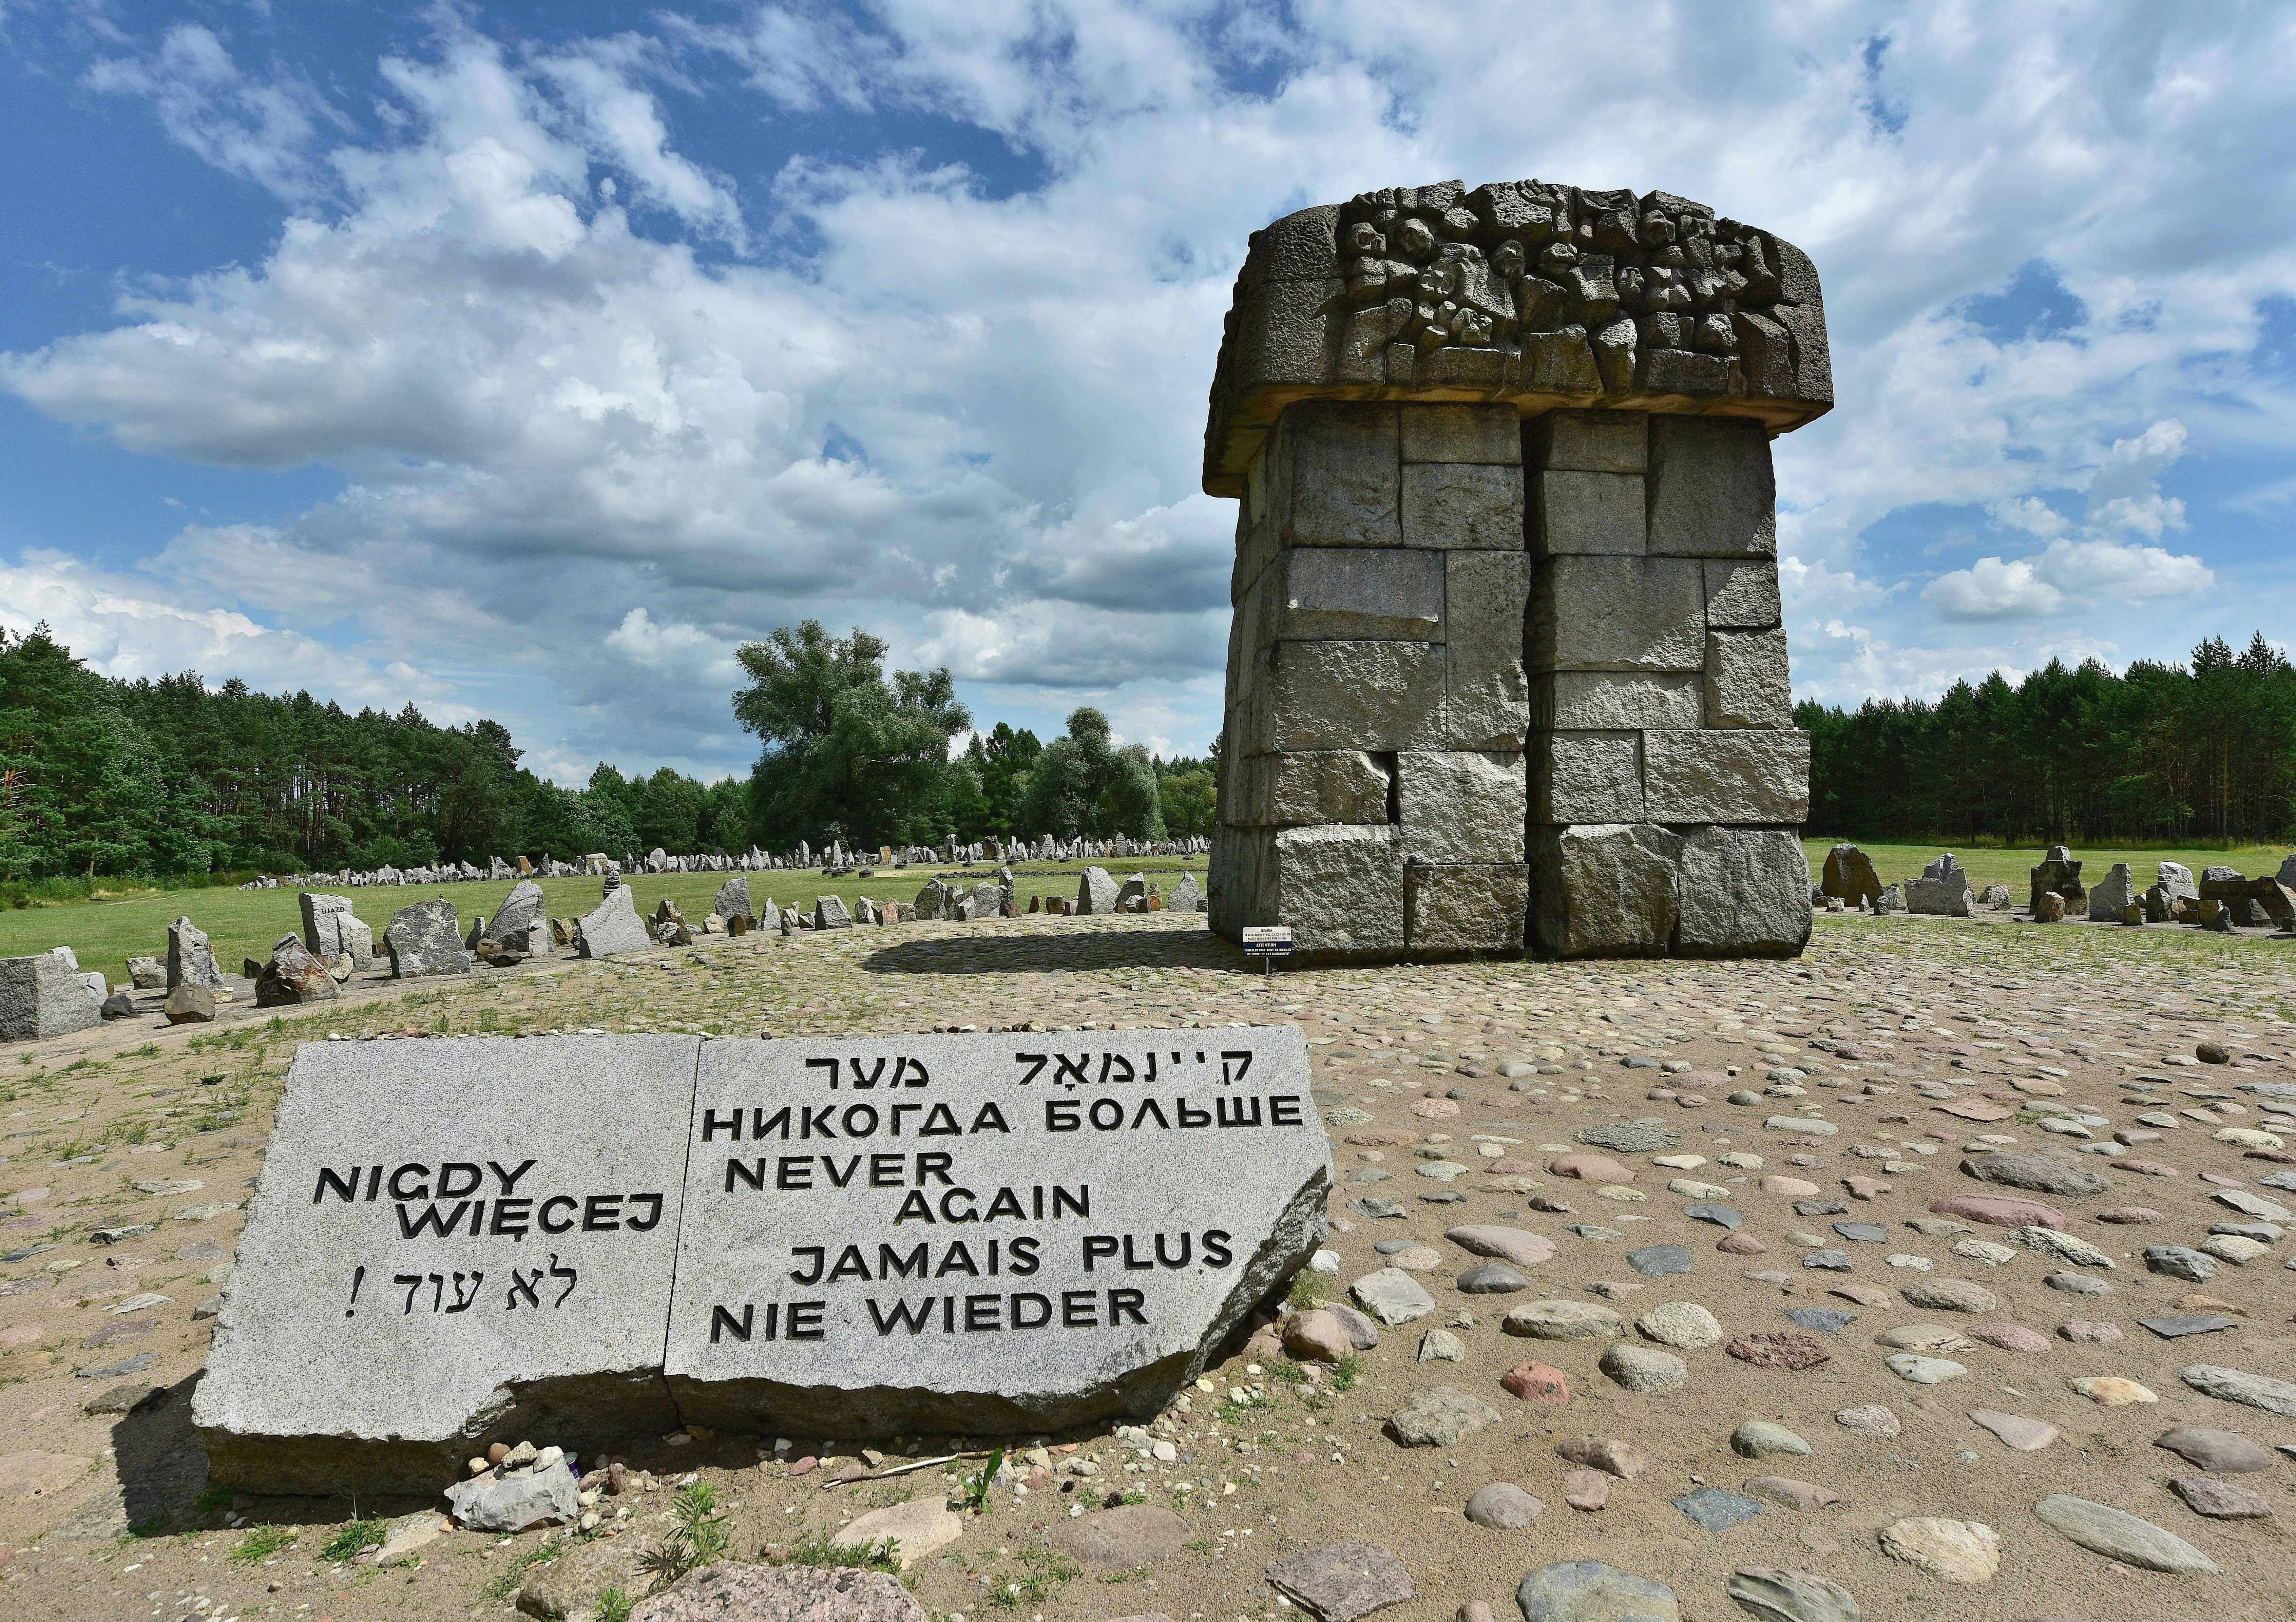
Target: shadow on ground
[
  {"x": 162, "y": 1469},
  {"x": 1181, "y": 945}
]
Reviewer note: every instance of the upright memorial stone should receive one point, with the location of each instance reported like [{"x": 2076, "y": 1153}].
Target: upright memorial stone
[
  {"x": 190, "y": 959},
  {"x": 43, "y": 996},
  {"x": 613, "y": 926},
  {"x": 520, "y": 922},
  {"x": 331, "y": 930},
  {"x": 1849, "y": 874},
  {"x": 1942, "y": 889},
  {"x": 2114, "y": 895},
  {"x": 1095, "y": 892},
  {"x": 2059, "y": 875},
  {"x": 846, "y": 1236},
  {"x": 1506, "y": 634},
  {"x": 421, "y": 939}
]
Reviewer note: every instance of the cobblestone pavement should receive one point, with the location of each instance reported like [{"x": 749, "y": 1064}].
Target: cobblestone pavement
[{"x": 1768, "y": 1094}]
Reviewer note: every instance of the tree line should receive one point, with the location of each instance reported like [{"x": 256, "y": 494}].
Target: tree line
[
  {"x": 173, "y": 778},
  {"x": 852, "y": 754},
  {"x": 2159, "y": 754}
]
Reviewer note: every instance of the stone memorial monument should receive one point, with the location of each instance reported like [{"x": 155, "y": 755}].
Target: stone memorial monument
[
  {"x": 1849, "y": 876},
  {"x": 612, "y": 926},
  {"x": 580, "y": 1239},
  {"x": 521, "y": 922},
  {"x": 2059, "y": 875},
  {"x": 1507, "y": 664},
  {"x": 1942, "y": 890},
  {"x": 331, "y": 930},
  {"x": 45, "y": 995}
]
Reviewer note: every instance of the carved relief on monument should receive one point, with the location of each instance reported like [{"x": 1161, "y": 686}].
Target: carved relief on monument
[{"x": 1528, "y": 291}]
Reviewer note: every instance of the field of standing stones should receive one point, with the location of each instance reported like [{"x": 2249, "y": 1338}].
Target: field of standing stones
[
  {"x": 1941, "y": 1266},
  {"x": 1872, "y": 1251}
]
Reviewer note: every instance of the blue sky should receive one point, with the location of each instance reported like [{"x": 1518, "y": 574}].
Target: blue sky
[{"x": 522, "y": 360}]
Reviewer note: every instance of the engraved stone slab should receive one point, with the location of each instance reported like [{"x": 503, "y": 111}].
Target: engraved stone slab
[
  {"x": 453, "y": 1242},
  {"x": 465, "y": 1240},
  {"x": 981, "y": 1233}
]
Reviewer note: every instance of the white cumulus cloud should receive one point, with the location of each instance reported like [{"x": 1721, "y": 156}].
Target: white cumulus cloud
[
  {"x": 607, "y": 398},
  {"x": 2086, "y": 571}
]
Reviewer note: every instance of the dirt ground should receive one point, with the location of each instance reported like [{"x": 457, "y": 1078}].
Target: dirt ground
[{"x": 1493, "y": 1066}]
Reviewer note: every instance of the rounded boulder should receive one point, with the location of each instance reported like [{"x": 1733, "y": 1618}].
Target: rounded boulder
[{"x": 1642, "y": 1368}]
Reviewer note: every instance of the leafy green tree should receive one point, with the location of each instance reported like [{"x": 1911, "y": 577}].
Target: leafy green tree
[
  {"x": 847, "y": 752},
  {"x": 2158, "y": 754},
  {"x": 480, "y": 805},
  {"x": 1132, "y": 801},
  {"x": 1063, "y": 784},
  {"x": 726, "y": 817},
  {"x": 569, "y": 823},
  {"x": 669, "y": 811},
  {"x": 1083, "y": 784},
  {"x": 1189, "y": 801},
  {"x": 969, "y": 808},
  {"x": 607, "y": 803},
  {"x": 1002, "y": 759}
]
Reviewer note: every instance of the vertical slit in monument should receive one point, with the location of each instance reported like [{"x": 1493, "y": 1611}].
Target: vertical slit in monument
[
  {"x": 1387, "y": 763},
  {"x": 678, "y": 1238},
  {"x": 1535, "y": 439}
]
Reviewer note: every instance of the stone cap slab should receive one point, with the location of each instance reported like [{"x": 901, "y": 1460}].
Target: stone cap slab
[{"x": 1532, "y": 293}]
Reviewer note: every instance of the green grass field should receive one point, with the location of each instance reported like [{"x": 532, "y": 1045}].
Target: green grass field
[
  {"x": 2013, "y": 865},
  {"x": 105, "y": 932}
]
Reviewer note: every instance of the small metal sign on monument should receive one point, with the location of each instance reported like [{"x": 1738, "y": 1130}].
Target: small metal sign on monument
[{"x": 1267, "y": 942}]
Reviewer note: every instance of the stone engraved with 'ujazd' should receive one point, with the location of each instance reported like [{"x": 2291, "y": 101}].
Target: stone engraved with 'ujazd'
[{"x": 465, "y": 1240}]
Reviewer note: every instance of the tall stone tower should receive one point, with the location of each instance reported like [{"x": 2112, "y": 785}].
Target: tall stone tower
[{"x": 1506, "y": 665}]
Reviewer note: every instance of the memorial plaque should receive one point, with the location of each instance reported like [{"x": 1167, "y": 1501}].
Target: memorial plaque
[
  {"x": 453, "y": 1241},
  {"x": 464, "y": 1240},
  {"x": 984, "y": 1233}
]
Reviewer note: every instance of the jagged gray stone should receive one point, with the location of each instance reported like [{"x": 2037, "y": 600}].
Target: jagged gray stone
[
  {"x": 1095, "y": 892},
  {"x": 44, "y": 996},
  {"x": 521, "y": 922},
  {"x": 330, "y": 930},
  {"x": 421, "y": 939},
  {"x": 612, "y": 926},
  {"x": 189, "y": 956}
]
